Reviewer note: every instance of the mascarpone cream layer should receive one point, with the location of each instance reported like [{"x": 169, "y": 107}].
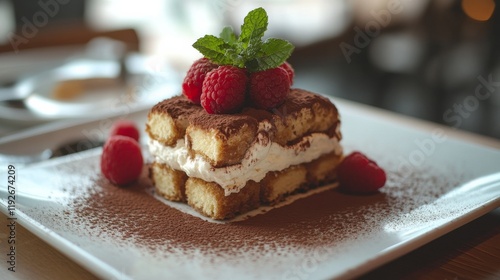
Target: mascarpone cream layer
[{"x": 262, "y": 157}]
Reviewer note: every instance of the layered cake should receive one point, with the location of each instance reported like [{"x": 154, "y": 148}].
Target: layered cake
[
  {"x": 240, "y": 136},
  {"x": 223, "y": 165}
]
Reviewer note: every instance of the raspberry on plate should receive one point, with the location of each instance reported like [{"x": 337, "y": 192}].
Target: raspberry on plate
[
  {"x": 269, "y": 88},
  {"x": 121, "y": 160},
  {"x": 224, "y": 90},
  {"x": 193, "y": 82},
  {"x": 359, "y": 174},
  {"x": 125, "y": 128}
]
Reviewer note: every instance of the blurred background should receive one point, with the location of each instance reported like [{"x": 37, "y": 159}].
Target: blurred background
[{"x": 433, "y": 60}]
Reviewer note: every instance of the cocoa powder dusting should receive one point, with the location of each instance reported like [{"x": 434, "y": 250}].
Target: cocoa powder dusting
[
  {"x": 140, "y": 235},
  {"x": 133, "y": 214}
]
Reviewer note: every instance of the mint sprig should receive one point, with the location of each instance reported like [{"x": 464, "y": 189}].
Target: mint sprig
[
  {"x": 247, "y": 50},
  {"x": 252, "y": 30}
]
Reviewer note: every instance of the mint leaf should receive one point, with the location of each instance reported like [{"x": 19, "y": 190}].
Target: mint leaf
[
  {"x": 248, "y": 50},
  {"x": 215, "y": 49},
  {"x": 272, "y": 53},
  {"x": 252, "y": 30},
  {"x": 228, "y": 35}
]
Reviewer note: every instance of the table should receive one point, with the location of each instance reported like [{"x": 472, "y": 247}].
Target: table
[{"x": 469, "y": 252}]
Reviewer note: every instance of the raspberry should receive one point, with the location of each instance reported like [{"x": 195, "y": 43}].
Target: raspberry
[
  {"x": 192, "y": 85},
  {"x": 121, "y": 160},
  {"x": 291, "y": 73},
  {"x": 269, "y": 88},
  {"x": 358, "y": 174},
  {"x": 224, "y": 90},
  {"x": 125, "y": 128}
]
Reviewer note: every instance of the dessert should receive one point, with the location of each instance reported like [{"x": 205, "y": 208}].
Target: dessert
[{"x": 240, "y": 137}]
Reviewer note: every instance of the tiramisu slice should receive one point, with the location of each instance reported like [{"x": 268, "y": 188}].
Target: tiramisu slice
[
  {"x": 223, "y": 165},
  {"x": 239, "y": 136}
]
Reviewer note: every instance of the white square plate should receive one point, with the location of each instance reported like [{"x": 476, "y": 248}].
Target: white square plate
[{"x": 438, "y": 180}]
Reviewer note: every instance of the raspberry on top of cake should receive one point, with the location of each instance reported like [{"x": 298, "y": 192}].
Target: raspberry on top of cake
[{"x": 240, "y": 136}]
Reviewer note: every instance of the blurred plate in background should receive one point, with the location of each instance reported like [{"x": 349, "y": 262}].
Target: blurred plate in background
[{"x": 89, "y": 88}]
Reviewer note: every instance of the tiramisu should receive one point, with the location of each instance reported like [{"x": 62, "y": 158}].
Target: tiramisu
[
  {"x": 239, "y": 136},
  {"x": 223, "y": 165}
]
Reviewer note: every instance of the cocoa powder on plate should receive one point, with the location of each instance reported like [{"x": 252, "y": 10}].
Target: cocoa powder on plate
[{"x": 133, "y": 214}]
